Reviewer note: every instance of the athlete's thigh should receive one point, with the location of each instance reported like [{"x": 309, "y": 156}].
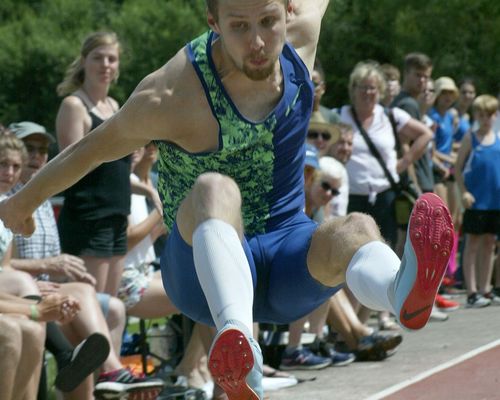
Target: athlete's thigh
[
  {"x": 292, "y": 291},
  {"x": 181, "y": 281}
]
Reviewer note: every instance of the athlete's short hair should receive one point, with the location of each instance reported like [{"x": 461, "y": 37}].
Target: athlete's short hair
[{"x": 212, "y": 6}]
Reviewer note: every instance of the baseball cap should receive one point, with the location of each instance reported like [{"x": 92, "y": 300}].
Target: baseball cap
[
  {"x": 26, "y": 128},
  {"x": 312, "y": 156}
]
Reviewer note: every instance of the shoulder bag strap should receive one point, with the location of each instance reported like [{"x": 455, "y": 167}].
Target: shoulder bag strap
[
  {"x": 388, "y": 111},
  {"x": 374, "y": 150}
]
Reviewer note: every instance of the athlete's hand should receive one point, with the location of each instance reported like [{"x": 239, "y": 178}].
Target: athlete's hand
[{"x": 16, "y": 219}]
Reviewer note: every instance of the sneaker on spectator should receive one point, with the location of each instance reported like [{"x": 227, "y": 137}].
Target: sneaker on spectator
[
  {"x": 437, "y": 315},
  {"x": 448, "y": 281},
  {"x": 82, "y": 361},
  {"x": 303, "y": 359},
  {"x": 496, "y": 291},
  {"x": 324, "y": 349},
  {"x": 272, "y": 384},
  {"x": 179, "y": 391},
  {"x": 445, "y": 305},
  {"x": 494, "y": 298},
  {"x": 378, "y": 346},
  {"x": 123, "y": 382},
  {"x": 235, "y": 362},
  {"x": 475, "y": 300}
]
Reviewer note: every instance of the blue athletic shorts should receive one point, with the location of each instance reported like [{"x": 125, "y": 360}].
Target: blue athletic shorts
[{"x": 284, "y": 289}]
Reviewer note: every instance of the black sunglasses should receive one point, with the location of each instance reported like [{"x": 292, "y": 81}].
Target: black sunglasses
[
  {"x": 315, "y": 134},
  {"x": 327, "y": 188}
]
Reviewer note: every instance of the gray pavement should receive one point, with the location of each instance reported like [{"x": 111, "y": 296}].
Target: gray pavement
[{"x": 439, "y": 342}]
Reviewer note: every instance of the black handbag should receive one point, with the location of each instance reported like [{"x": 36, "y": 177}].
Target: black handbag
[{"x": 406, "y": 195}]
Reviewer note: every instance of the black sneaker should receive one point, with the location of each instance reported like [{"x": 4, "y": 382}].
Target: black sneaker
[
  {"x": 85, "y": 359},
  {"x": 122, "y": 382},
  {"x": 378, "y": 346},
  {"x": 325, "y": 349},
  {"x": 493, "y": 297},
  {"x": 475, "y": 300}
]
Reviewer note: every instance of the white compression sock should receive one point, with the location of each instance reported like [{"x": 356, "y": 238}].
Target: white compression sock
[
  {"x": 371, "y": 273},
  {"x": 224, "y": 274}
]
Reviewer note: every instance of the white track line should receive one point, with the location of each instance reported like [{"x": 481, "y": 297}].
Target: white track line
[{"x": 423, "y": 375}]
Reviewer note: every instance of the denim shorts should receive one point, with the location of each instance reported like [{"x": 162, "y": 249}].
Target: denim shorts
[{"x": 284, "y": 290}]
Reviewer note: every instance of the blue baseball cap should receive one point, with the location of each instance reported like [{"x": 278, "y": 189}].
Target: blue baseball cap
[{"x": 312, "y": 156}]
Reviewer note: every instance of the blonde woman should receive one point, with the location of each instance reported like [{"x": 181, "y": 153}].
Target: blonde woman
[{"x": 93, "y": 219}]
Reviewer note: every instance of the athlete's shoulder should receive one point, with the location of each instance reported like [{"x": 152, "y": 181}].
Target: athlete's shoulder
[{"x": 168, "y": 98}]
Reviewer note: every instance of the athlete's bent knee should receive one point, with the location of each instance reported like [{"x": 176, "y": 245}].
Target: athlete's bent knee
[
  {"x": 215, "y": 190},
  {"x": 363, "y": 224}
]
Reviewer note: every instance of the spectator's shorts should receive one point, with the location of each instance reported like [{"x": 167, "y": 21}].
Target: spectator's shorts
[
  {"x": 105, "y": 237},
  {"x": 284, "y": 290},
  {"x": 479, "y": 222},
  {"x": 135, "y": 281}
]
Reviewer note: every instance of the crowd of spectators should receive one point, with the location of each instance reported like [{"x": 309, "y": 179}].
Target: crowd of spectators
[{"x": 71, "y": 286}]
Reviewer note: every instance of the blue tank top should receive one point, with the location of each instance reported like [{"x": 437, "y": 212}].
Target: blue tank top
[
  {"x": 462, "y": 128},
  {"x": 482, "y": 174},
  {"x": 266, "y": 159},
  {"x": 444, "y": 131}
]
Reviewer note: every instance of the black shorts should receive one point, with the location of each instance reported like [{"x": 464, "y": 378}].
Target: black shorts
[
  {"x": 104, "y": 237},
  {"x": 479, "y": 222}
]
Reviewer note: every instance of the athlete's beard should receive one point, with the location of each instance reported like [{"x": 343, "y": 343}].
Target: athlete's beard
[
  {"x": 258, "y": 74},
  {"x": 254, "y": 74}
]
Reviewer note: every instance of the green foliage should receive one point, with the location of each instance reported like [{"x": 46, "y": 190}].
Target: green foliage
[
  {"x": 459, "y": 35},
  {"x": 39, "y": 38},
  {"x": 152, "y": 32}
]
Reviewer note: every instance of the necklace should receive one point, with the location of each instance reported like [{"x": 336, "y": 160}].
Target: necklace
[{"x": 100, "y": 112}]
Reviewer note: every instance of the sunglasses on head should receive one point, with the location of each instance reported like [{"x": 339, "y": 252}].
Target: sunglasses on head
[
  {"x": 315, "y": 134},
  {"x": 327, "y": 188}
]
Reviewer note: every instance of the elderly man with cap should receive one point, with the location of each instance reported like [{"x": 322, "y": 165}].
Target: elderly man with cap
[
  {"x": 41, "y": 256},
  {"x": 56, "y": 265}
]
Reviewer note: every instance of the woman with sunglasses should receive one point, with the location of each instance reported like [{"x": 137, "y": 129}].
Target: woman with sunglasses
[
  {"x": 321, "y": 134},
  {"x": 325, "y": 186}
]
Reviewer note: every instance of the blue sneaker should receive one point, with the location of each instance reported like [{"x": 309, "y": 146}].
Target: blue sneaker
[
  {"x": 235, "y": 362},
  {"x": 303, "y": 359},
  {"x": 427, "y": 252}
]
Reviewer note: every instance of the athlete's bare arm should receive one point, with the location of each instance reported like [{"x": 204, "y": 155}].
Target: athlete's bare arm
[
  {"x": 162, "y": 107},
  {"x": 303, "y": 27}
]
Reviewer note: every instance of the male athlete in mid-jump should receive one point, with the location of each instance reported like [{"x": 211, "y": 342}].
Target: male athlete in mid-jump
[{"x": 230, "y": 114}]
